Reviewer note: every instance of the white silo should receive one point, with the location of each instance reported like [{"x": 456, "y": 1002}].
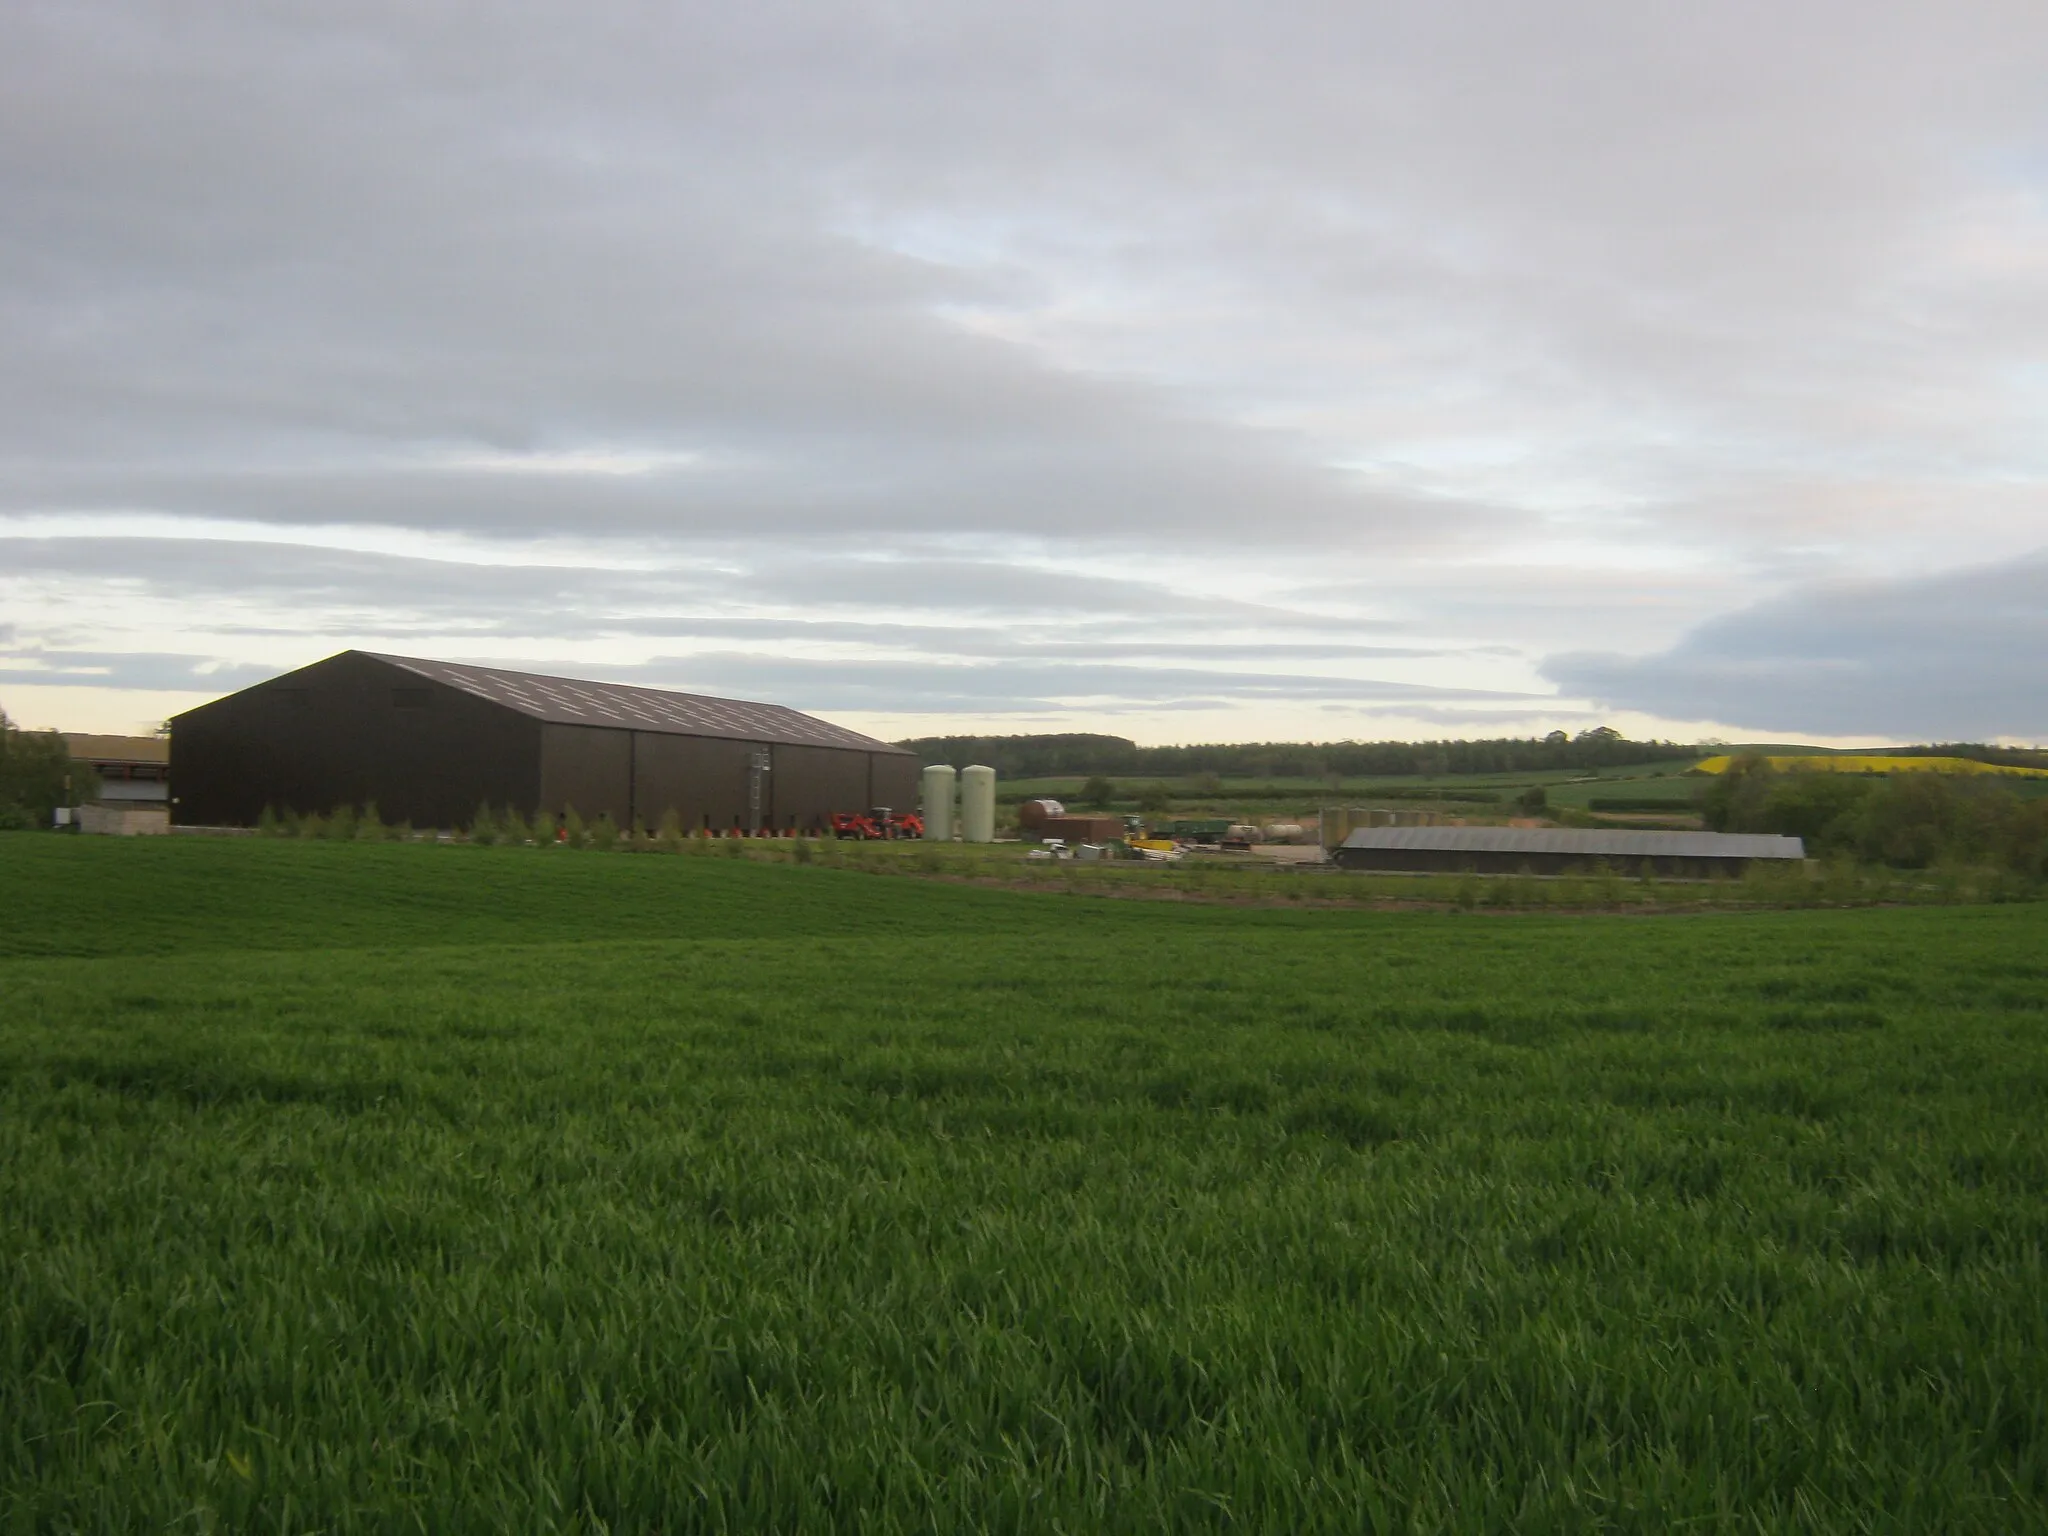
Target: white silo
[
  {"x": 978, "y": 804},
  {"x": 938, "y": 803}
]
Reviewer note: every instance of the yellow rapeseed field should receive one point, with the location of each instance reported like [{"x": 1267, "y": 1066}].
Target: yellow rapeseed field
[{"x": 1876, "y": 762}]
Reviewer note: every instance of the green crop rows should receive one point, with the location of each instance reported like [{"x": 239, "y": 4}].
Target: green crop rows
[{"x": 368, "y": 1188}]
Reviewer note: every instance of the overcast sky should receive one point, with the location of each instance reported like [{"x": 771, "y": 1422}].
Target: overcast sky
[{"x": 1192, "y": 372}]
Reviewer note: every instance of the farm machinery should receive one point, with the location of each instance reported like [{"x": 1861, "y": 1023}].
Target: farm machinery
[{"x": 877, "y": 825}]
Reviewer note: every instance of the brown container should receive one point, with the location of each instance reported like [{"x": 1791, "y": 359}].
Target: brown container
[
  {"x": 1081, "y": 829},
  {"x": 1033, "y": 814}
]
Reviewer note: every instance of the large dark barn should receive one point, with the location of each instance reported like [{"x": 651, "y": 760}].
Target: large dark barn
[{"x": 429, "y": 741}]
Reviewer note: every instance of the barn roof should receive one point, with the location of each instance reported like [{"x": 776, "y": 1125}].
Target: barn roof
[
  {"x": 1596, "y": 843},
  {"x": 117, "y": 749},
  {"x": 572, "y": 701}
]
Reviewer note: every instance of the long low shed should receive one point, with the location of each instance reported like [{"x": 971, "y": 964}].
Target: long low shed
[
  {"x": 430, "y": 741},
  {"x": 1558, "y": 851}
]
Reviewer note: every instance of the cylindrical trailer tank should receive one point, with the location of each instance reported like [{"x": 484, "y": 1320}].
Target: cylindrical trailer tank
[
  {"x": 1283, "y": 831},
  {"x": 938, "y": 803},
  {"x": 978, "y": 804}
]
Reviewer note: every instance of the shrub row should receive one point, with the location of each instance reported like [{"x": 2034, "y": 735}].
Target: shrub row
[
  {"x": 509, "y": 828},
  {"x": 1908, "y": 821}
]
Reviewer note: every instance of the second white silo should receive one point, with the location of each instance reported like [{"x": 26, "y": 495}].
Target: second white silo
[
  {"x": 938, "y": 803},
  {"x": 978, "y": 804}
]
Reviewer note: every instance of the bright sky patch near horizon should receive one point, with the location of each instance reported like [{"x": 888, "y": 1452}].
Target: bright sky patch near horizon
[{"x": 1359, "y": 371}]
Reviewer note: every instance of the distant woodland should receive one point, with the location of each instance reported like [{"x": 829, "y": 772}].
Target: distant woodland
[
  {"x": 1906, "y": 820},
  {"x": 1051, "y": 756},
  {"x": 1037, "y": 757}
]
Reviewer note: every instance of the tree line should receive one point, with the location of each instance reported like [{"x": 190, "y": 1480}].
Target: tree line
[{"x": 1083, "y": 755}]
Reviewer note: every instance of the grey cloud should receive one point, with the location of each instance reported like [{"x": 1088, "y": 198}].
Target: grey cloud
[
  {"x": 1473, "y": 722},
  {"x": 251, "y": 249},
  {"x": 1061, "y": 637},
  {"x": 1070, "y": 279},
  {"x": 1025, "y": 685},
  {"x": 1956, "y": 656},
  {"x": 331, "y": 587},
  {"x": 1001, "y": 688},
  {"x": 284, "y": 323},
  {"x": 331, "y": 591},
  {"x": 964, "y": 586},
  {"x": 296, "y": 573},
  {"x": 1290, "y": 650},
  {"x": 89, "y": 669}
]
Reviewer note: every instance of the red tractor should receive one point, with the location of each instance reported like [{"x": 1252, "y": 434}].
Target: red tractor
[{"x": 877, "y": 825}]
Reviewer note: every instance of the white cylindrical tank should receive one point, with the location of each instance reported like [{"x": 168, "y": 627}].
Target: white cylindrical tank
[
  {"x": 978, "y": 804},
  {"x": 938, "y": 803}
]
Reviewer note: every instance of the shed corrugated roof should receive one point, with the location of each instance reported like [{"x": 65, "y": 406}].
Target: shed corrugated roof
[
  {"x": 1592, "y": 844},
  {"x": 117, "y": 749},
  {"x": 572, "y": 701}
]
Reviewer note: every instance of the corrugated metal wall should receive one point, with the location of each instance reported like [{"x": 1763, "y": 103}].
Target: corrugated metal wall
[
  {"x": 588, "y": 767},
  {"x": 892, "y": 780},
  {"x": 346, "y": 731},
  {"x": 813, "y": 782},
  {"x": 355, "y": 729},
  {"x": 703, "y": 779}
]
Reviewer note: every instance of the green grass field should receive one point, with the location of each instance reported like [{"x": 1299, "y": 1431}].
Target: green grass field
[{"x": 382, "y": 1187}]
